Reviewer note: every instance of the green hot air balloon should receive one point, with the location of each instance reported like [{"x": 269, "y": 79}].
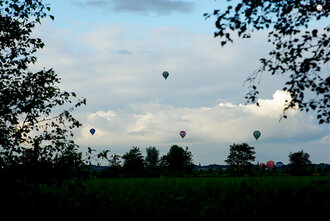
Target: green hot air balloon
[{"x": 256, "y": 134}]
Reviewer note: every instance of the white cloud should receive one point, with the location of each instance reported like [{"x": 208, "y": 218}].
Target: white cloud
[
  {"x": 325, "y": 139},
  {"x": 209, "y": 129},
  {"x": 109, "y": 115},
  {"x": 272, "y": 107},
  {"x": 149, "y": 122}
]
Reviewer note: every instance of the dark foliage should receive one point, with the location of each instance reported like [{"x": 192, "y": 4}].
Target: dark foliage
[
  {"x": 178, "y": 160},
  {"x": 240, "y": 158},
  {"x": 152, "y": 158},
  {"x": 34, "y": 138},
  {"x": 133, "y": 162},
  {"x": 297, "y": 53},
  {"x": 300, "y": 163},
  {"x": 270, "y": 198}
]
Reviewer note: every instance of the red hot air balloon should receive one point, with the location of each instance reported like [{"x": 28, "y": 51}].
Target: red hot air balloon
[
  {"x": 270, "y": 164},
  {"x": 261, "y": 165},
  {"x": 182, "y": 134}
]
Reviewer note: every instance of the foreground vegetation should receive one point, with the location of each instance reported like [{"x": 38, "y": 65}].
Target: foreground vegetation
[{"x": 204, "y": 198}]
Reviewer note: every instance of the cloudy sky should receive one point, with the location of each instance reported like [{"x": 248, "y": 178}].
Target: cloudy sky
[{"x": 113, "y": 53}]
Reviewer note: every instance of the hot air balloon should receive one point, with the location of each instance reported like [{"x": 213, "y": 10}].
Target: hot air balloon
[
  {"x": 261, "y": 165},
  {"x": 270, "y": 164},
  {"x": 165, "y": 74},
  {"x": 92, "y": 131},
  {"x": 256, "y": 134},
  {"x": 279, "y": 165},
  {"x": 182, "y": 134}
]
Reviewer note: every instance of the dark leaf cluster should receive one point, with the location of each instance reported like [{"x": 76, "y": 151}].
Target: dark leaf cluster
[
  {"x": 299, "y": 163},
  {"x": 298, "y": 53},
  {"x": 33, "y": 130},
  {"x": 240, "y": 158}
]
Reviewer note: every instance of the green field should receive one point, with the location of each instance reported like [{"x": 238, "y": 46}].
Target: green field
[{"x": 192, "y": 198}]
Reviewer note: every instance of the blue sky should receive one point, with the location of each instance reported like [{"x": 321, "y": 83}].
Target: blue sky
[{"x": 113, "y": 53}]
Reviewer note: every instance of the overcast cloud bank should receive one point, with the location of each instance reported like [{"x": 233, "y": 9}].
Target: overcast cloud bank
[
  {"x": 142, "y": 7},
  {"x": 150, "y": 124}
]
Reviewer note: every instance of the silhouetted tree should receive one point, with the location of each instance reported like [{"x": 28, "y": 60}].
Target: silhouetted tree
[
  {"x": 240, "y": 158},
  {"x": 133, "y": 162},
  {"x": 152, "y": 158},
  {"x": 320, "y": 170},
  {"x": 327, "y": 169},
  {"x": 297, "y": 53},
  {"x": 152, "y": 161},
  {"x": 114, "y": 161},
  {"x": 115, "y": 168},
  {"x": 299, "y": 163},
  {"x": 163, "y": 162},
  {"x": 178, "y": 160},
  {"x": 34, "y": 132}
]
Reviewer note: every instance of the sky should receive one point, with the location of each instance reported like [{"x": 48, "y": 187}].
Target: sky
[{"x": 113, "y": 53}]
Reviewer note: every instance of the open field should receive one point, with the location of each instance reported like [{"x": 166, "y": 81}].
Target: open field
[{"x": 194, "y": 198}]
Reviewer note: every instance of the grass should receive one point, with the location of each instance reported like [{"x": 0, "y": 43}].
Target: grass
[{"x": 192, "y": 198}]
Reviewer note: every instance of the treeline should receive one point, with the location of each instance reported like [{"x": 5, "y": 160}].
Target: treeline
[
  {"x": 179, "y": 162},
  {"x": 285, "y": 170}
]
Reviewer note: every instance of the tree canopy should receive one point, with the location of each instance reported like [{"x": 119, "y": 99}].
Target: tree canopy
[
  {"x": 299, "y": 162},
  {"x": 240, "y": 158},
  {"x": 133, "y": 161},
  {"x": 299, "y": 53},
  {"x": 178, "y": 159},
  {"x": 152, "y": 158},
  {"x": 34, "y": 128}
]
